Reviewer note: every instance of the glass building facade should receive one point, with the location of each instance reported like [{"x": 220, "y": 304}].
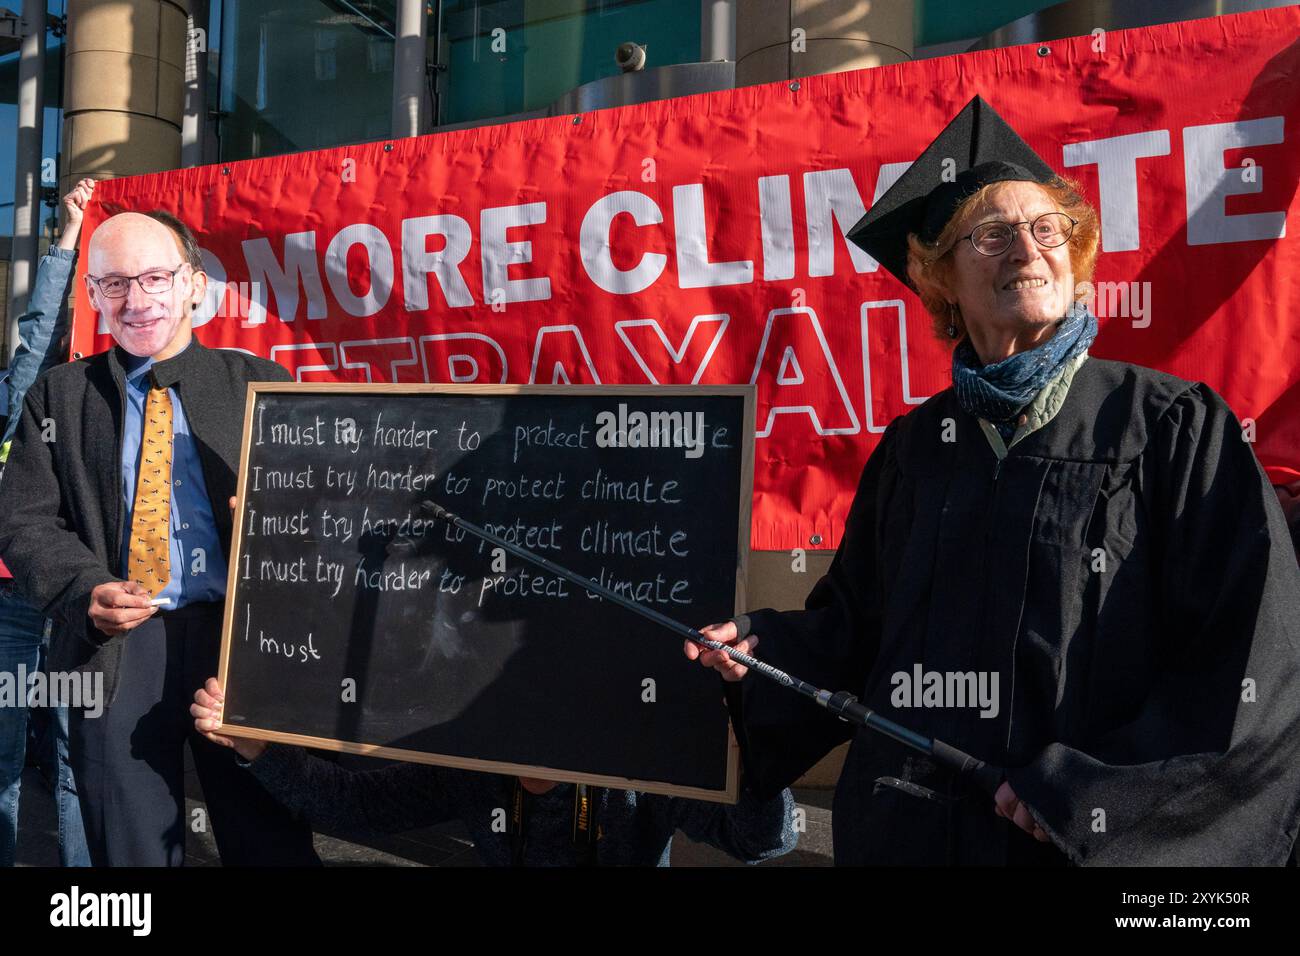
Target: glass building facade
[
  {"x": 513, "y": 56},
  {"x": 285, "y": 76},
  {"x": 290, "y": 75},
  {"x": 51, "y": 138},
  {"x": 293, "y": 75}
]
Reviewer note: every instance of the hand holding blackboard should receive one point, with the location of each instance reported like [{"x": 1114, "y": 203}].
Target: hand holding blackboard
[{"x": 206, "y": 711}]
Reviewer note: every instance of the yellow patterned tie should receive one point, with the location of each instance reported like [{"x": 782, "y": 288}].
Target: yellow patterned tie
[{"x": 149, "y": 557}]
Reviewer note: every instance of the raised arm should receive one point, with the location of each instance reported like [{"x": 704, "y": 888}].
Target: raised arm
[{"x": 42, "y": 326}]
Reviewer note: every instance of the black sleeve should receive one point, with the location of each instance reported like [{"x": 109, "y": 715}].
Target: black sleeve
[
  {"x": 751, "y": 831},
  {"x": 1208, "y": 769},
  {"x": 52, "y": 567},
  {"x": 401, "y": 796},
  {"x": 831, "y": 643}
]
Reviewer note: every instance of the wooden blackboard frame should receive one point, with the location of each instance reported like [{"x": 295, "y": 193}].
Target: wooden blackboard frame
[{"x": 730, "y": 794}]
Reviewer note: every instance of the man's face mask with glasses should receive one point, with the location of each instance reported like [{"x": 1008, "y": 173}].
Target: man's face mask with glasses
[
  {"x": 152, "y": 282},
  {"x": 144, "y": 311},
  {"x": 142, "y": 285}
]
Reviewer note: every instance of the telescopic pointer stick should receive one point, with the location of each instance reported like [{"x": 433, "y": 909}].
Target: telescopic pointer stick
[{"x": 841, "y": 703}]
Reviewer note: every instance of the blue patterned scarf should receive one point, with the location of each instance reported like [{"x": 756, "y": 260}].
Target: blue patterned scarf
[{"x": 999, "y": 391}]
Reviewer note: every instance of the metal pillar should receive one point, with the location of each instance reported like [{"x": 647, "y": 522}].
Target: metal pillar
[
  {"x": 717, "y": 30},
  {"x": 409, "y": 112},
  {"x": 124, "y": 88},
  {"x": 784, "y": 39},
  {"x": 194, "y": 119},
  {"x": 27, "y": 166}
]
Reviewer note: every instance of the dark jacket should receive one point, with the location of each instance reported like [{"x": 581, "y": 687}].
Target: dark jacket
[
  {"x": 1126, "y": 573},
  {"x": 636, "y": 828},
  {"x": 61, "y": 526}
]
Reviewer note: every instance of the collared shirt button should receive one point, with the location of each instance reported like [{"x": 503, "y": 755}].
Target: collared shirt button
[
  {"x": 185, "y": 527},
  {"x": 178, "y": 482}
]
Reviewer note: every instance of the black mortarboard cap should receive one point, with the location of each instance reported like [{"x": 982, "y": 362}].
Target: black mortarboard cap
[{"x": 984, "y": 150}]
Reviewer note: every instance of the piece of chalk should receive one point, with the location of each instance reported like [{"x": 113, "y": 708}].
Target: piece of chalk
[{"x": 159, "y": 601}]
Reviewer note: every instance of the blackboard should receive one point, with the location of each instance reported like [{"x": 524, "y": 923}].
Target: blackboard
[{"x": 356, "y": 623}]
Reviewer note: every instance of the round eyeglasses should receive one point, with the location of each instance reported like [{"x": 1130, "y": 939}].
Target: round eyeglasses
[
  {"x": 151, "y": 282},
  {"x": 1049, "y": 230}
]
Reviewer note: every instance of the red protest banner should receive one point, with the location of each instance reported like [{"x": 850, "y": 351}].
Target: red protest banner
[{"x": 701, "y": 240}]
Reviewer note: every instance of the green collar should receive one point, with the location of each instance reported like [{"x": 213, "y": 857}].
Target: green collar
[{"x": 1041, "y": 410}]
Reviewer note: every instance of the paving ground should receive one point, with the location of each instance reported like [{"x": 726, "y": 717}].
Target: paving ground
[{"x": 445, "y": 845}]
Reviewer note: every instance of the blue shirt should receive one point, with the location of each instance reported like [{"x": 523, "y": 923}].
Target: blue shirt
[{"x": 198, "y": 564}]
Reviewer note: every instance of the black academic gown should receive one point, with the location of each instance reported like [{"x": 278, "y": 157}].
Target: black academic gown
[{"x": 1149, "y": 707}]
